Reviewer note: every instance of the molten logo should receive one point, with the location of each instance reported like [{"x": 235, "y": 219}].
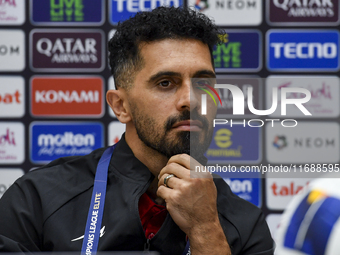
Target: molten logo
[
  {"x": 52, "y": 140},
  {"x": 66, "y": 139},
  {"x": 67, "y": 96}
]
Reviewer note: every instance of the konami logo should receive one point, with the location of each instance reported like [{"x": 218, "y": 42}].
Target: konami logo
[{"x": 67, "y": 96}]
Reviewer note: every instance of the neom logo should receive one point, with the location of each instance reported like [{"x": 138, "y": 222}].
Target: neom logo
[
  {"x": 10, "y": 50},
  {"x": 67, "y": 96}
]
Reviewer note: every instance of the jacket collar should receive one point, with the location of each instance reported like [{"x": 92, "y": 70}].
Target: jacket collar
[{"x": 124, "y": 163}]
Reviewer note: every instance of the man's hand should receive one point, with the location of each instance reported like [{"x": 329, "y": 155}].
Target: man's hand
[{"x": 191, "y": 201}]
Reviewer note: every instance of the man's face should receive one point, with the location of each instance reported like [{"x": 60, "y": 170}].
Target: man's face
[{"x": 164, "y": 104}]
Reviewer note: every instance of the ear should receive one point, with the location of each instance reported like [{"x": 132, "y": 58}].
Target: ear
[{"x": 118, "y": 103}]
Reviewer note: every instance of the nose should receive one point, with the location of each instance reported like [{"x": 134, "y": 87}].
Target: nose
[{"x": 187, "y": 99}]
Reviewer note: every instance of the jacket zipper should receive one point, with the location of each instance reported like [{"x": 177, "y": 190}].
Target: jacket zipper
[
  {"x": 147, "y": 240},
  {"x": 147, "y": 245}
]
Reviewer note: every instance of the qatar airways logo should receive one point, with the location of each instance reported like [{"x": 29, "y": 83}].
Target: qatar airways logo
[
  {"x": 67, "y": 50},
  {"x": 239, "y": 100},
  {"x": 303, "y": 12}
]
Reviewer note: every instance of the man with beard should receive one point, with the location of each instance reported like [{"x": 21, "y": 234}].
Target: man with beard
[{"x": 153, "y": 199}]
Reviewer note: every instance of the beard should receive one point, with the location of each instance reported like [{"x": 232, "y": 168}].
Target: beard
[{"x": 160, "y": 138}]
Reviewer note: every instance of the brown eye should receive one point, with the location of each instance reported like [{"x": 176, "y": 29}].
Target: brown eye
[{"x": 165, "y": 84}]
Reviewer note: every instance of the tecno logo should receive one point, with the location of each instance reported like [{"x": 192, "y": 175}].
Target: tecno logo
[
  {"x": 305, "y": 50},
  {"x": 121, "y": 10},
  {"x": 66, "y": 139},
  {"x": 143, "y": 5},
  {"x": 67, "y": 96}
]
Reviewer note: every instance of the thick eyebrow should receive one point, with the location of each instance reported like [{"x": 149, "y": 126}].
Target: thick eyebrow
[
  {"x": 158, "y": 75},
  {"x": 169, "y": 73},
  {"x": 204, "y": 73}
]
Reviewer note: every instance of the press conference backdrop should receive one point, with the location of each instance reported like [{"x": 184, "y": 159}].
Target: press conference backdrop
[{"x": 54, "y": 75}]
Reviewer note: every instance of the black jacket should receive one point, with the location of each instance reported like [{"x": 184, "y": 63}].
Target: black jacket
[{"x": 46, "y": 210}]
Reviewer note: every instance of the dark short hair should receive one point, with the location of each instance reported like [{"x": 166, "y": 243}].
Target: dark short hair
[{"x": 161, "y": 23}]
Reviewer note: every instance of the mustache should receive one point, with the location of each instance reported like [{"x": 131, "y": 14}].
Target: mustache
[{"x": 186, "y": 115}]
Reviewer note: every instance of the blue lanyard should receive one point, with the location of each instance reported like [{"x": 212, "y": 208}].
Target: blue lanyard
[{"x": 95, "y": 215}]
